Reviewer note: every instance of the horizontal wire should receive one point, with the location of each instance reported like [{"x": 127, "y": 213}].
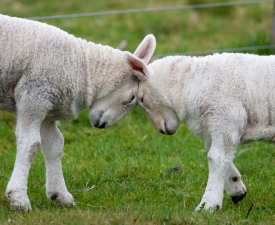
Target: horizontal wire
[
  {"x": 198, "y": 6},
  {"x": 242, "y": 49}
]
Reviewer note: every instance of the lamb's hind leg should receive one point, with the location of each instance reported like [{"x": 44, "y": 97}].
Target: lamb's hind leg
[
  {"x": 233, "y": 184},
  {"x": 52, "y": 143}
]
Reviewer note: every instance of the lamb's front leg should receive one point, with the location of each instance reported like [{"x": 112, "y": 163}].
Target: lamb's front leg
[
  {"x": 213, "y": 195},
  {"x": 52, "y": 145},
  {"x": 28, "y": 139}
]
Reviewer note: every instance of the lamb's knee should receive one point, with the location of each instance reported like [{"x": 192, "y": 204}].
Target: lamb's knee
[
  {"x": 216, "y": 159},
  {"x": 33, "y": 151},
  {"x": 59, "y": 143}
]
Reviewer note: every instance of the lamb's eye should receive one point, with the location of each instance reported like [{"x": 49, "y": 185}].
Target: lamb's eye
[
  {"x": 132, "y": 99},
  {"x": 129, "y": 102},
  {"x": 144, "y": 105}
]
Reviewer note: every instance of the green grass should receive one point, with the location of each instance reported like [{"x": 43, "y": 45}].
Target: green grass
[{"x": 119, "y": 175}]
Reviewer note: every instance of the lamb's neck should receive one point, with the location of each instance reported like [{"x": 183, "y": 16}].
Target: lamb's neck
[
  {"x": 176, "y": 96},
  {"x": 187, "y": 83},
  {"x": 173, "y": 74},
  {"x": 178, "y": 99},
  {"x": 104, "y": 70}
]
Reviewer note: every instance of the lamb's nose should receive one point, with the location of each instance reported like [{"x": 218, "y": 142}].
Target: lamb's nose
[
  {"x": 97, "y": 124},
  {"x": 161, "y": 131},
  {"x": 238, "y": 198},
  {"x": 96, "y": 120},
  {"x": 102, "y": 126}
]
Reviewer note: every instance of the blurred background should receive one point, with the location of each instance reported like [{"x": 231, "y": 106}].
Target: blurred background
[{"x": 187, "y": 30}]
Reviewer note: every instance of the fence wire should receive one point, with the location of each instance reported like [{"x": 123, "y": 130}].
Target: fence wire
[
  {"x": 182, "y": 7},
  {"x": 197, "y": 6},
  {"x": 207, "y": 52}
]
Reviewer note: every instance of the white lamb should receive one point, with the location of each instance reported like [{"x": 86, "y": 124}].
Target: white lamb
[
  {"x": 225, "y": 99},
  {"x": 48, "y": 75}
]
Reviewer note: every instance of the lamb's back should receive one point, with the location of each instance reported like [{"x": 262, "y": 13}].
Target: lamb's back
[
  {"x": 237, "y": 80},
  {"x": 32, "y": 52}
]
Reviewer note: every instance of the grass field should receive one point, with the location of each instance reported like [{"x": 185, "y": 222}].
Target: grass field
[{"x": 119, "y": 175}]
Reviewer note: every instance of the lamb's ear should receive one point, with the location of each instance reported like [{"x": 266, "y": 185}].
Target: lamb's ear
[
  {"x": 137, "y": 66},
  {"x": 146, "y": 48}
]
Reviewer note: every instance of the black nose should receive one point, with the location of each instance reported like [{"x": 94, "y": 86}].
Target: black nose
[
  {"x": 161, "y": 131},
  {"x": 97, "y": 120},
  {"x": 102, "y": 126},
  {"x": 238, "y": 198}
]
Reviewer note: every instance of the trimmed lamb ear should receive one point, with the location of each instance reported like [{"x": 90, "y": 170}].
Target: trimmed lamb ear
[
  {"x": 137, "y": 66},
  {"x": 146, "y": 48}
]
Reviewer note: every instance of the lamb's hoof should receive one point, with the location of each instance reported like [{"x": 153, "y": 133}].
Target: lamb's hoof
[
  {"x": 21, "y": 207},
  {"x": 207, "y": 207},
  {"x": 238, "y": 198},
  {"x": 61, "y": 198},
  {"x": 18, "y": 202}
]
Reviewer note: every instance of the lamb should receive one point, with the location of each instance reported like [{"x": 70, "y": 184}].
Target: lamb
[
  {"x": 47, "y": 75},
  {"x": 225, "y": 99}
]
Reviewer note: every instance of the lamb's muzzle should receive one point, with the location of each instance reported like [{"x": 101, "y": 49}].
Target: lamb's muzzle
[{"x": 238, "y": 198}]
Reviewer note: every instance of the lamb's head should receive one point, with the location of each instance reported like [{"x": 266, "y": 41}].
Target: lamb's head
[
  {"x": 154, "y": 96},
  {"x": 119, "y": 102}
]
